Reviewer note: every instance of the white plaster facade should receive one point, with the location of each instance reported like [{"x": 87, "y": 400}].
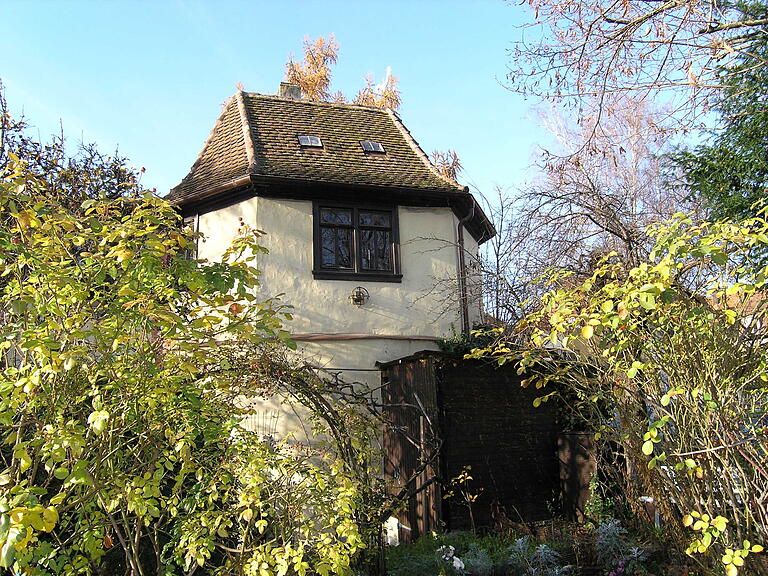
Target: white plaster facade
[{"x": 400, "y": 318}]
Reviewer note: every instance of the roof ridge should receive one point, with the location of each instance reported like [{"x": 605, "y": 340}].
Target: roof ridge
[
  {"x": 245, "y": 124},
  {"x": 208, "y": 140},
  {"x": 317, "y": 102},
  {"x": 419, "y": 151}
]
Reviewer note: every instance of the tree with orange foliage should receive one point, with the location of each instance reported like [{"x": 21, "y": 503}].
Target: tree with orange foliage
[
  {"x": 313, "y": 76},
  {"x": 447, "y": 163},
  {"x": 384, "y": 95}
]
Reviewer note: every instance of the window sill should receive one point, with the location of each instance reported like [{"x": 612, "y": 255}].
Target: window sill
[{"x": 357, "y": 276}]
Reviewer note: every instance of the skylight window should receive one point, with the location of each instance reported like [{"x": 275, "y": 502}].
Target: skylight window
[
  {"x": 307, "y": 141},
  {"x": 369, "y": 146}
]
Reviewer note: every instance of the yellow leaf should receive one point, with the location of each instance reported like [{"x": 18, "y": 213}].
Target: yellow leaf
[
  {"x": 25, "y": 461},
  {"x": 50, "y": 518},
  {"x": 98, "y": 420},
  {"x": 123, "y": 255},
  {"x": 27, "y": 219},
  {"x": 26, "y": 540},
  {"x": 647, "y": 448},
  {"x": 719, "y": 523},
  {"x": 587, "y": 331},
  {"x": 58, "y": 499}
]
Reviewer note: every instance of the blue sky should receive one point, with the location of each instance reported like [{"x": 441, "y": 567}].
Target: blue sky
[{"x": 149, "y": 78}]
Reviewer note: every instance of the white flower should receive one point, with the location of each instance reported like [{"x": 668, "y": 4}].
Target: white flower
[
  {"x": 457, "y": 563},
  {"x": 446, "y": 552}
]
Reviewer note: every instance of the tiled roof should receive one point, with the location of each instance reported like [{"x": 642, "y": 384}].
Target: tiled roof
[{"x": 256, "y": 135}]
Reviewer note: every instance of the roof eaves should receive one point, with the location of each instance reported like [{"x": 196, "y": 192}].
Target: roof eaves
[
  {"x": 420, "y": 152},
  {"x": 479, "y": 219},
  {"x": 431, "y": 191},
  {"x": 238, "y": 182}
]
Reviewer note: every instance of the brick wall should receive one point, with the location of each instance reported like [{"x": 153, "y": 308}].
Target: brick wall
[{"x": 485, "y": 420}]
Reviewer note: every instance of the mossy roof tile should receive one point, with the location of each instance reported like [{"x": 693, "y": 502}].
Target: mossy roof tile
[{"x": 257, "y": 135}]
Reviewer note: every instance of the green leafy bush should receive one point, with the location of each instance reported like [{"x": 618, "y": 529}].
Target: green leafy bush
[
  {"x": 122, "y": 372},
  {"x": 487, "y": 553},
  {"x": 666, "y": 361}
]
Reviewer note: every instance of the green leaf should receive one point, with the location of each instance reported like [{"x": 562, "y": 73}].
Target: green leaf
[
  {"x": 8, "y": 549},
  {"x": 98, "y": 420},
  {"x": 720, "y": 258},
  {"x": 25, "y": 461},
  {"x": 647, "y": 300},
  {"x": 633, "y": 370},
  {"x": 647, "y": 447}
]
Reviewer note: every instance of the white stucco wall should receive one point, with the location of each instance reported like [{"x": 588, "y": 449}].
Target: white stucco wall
[
  {"x": 474, "y": 280},
  {"x": 423, "y": 305}
]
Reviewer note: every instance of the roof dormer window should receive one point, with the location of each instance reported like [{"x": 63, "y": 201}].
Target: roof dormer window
[
  {"x": 370, "y": 146},
  {"x": 308, "y": 141}
]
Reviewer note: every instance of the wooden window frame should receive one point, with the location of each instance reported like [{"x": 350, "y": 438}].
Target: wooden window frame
[{"x": 357, "y": 273}]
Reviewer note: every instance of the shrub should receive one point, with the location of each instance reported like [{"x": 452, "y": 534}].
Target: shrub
[
  {"x": 123, "y": 365},
  {"x": 478, "y": 562},
  {"x": 528, "y": 559},
  {"x": 666, "y": 361},
  {"x": 481, "y": 555},
  {"x": 616, "y": 551}
]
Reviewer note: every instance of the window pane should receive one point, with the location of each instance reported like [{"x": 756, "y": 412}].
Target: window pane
[
  {"x": 336, "y": 216},
  {"x": 370, "y": 146},
  {"x": 336, "y": 248},
  {"x": 378, "y": 219},
  {"x": 308, "y": 140},
  {"x": 376, "y": 250}
]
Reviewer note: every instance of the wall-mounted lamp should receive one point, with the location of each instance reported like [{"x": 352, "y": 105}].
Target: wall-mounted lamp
[{"x": 359, "y": 296}]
